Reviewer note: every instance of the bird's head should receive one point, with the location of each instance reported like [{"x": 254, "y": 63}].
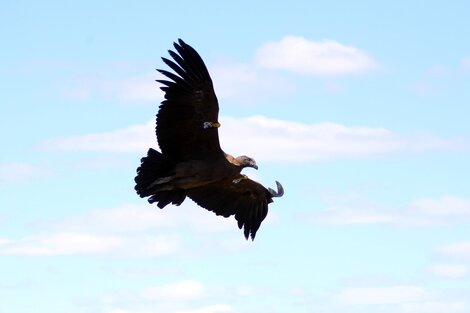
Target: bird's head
[{"x": 245, "y": 161}]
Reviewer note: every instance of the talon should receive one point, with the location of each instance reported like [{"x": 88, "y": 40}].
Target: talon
[
  {"x": 237, "y": 180},
  {"x": 208, "y": 125}
]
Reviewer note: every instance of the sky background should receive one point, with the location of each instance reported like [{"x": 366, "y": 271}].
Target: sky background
[{"x": 360, "y": 109}]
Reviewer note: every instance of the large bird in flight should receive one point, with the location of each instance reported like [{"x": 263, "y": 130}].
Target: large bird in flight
[{"x": 191, "y": 162}]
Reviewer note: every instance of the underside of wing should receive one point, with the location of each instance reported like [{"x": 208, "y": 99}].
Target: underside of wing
[
  {"x": 242, "y": 197},
  {"x": 187, "y": 119}
]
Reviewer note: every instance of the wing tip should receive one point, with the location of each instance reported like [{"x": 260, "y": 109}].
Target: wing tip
[
  {"x": 279, "y": 192},
  {"x": 181, "y": 42}
]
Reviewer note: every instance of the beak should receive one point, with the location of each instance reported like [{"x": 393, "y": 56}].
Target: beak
[{"x": 254, "y": 166}]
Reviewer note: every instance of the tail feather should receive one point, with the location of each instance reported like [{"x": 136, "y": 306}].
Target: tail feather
[
  {"x": 163, "y": 198},
  {"x": 156, "y": 169}
]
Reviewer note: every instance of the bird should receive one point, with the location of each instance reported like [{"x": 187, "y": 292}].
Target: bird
[{"x": 191, "y": 162}]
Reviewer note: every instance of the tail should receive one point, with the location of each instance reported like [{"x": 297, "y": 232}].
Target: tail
[{"x": 155, "y": 171}]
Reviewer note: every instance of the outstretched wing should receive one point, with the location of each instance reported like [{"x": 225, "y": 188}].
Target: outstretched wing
[
  {"x": 243, "y": 197},
  {"x": 190, "y": 101}
]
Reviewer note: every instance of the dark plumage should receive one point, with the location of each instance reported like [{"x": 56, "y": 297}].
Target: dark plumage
[{"x": 191, "y": 162}]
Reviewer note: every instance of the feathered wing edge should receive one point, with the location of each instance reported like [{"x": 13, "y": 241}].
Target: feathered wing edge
[
  {"x": 189, "y": 66},
  {"x": 190, "y": 102},
  {"x": 246, "y": 199}
]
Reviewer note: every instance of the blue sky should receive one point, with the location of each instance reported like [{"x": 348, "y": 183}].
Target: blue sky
[{"x": 359, "y": 109}]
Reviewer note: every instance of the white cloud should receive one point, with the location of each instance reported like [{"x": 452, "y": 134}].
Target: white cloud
[
  {"x": 436, "y": 307},
  {"x": 445, "y": 210},
  {"x": 180, "y": 296},
  {"x": 141, "y": 219},
  {"x": 449, "y": 270},
  {"x": 382, "y": 295},
  {"x": 399, "y": 299},
  {"x": 15, "y": 172},
  {"x": 340, "y": 215},
  {"x": 128, "y": 230},
  {"x": 132, "y": 231},
  {"x": 135, "y": 138},
  {"x": 60, "y": 244},
  {"x": 117, "y": 311},
  {"x": 184, "y": 296},
  {"x": 465, "y": 63},
  {"x": 101, "y": 162},
  {"x": 459, "y": 250},
  {"x": 4, "y": 241},
  {"x": 218, "y": 308},
  {"x": 179, "y": 291},
  {"x": 246, "y": 83},
  {"x": 424, "y": 88},
  {"x": 84, "y": 243},
  {"x": 150, "y": 246},
  {"x": 270, "y": 139},
  {"x": 141, "y": 88},
  {"x": 438, "y": 71},
  {"x": 326, "y": 57},
  {"x": 278, "y": 140}
]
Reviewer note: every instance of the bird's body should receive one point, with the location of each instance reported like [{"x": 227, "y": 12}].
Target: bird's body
[
  {"x": 191, "y": 162},
  {"x": 195, "y": 173}
]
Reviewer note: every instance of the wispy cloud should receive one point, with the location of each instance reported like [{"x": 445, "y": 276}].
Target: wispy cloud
[
  {"x": 465, "y": 64},
  {"x": 130, "y": 231},
  {"x": 127, "y": 89},
  {"x": 136, "y": 89},
  {"x": 247, "y": 83},
  {"x": 438, "y": 71},
  {"x": 327, "y": 57},
  {"x": 449, "y": 270},
  {"x": 439, "y": 79},
  {"x": 457, "y": 250},
  {"x": 16, "y": 172},
  {"x": 181, "y": 296},
  {"x": 179, "y": 291},
  {"x": 242, "y": 82},
  {"x": 343, "y": 215},
  {"x": 432, "y": 306},
  {"x": 424, "y": 87},
  {"x": 85, "y": 243},
  {"x": 445, "y": 210},
  {"x": 382, "y": 295},
  {"x": 271, "y": 139},
  {"x": 401, "y": 298},
  {"x": 218, "y": 308},
  {"x": 144, "y": 218},
  {"x": 59, "y": 244},
  {"x": 135, "y": 138}
]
